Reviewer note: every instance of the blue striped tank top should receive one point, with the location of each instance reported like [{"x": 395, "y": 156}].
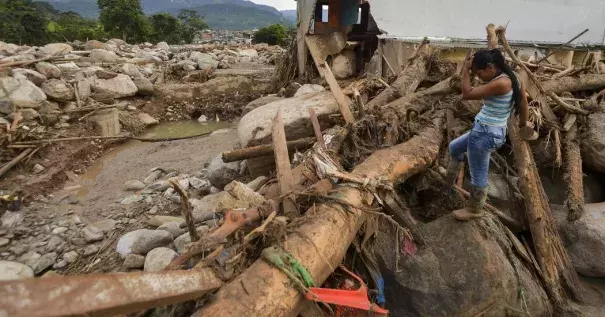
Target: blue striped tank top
[{"x": 496, "y": 109}]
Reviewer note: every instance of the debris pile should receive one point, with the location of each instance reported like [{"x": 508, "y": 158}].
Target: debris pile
[{"x": 359, "y": 182}]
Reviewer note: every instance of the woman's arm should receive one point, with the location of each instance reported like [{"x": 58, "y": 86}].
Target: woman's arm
[{"x": 493, "y": 88}]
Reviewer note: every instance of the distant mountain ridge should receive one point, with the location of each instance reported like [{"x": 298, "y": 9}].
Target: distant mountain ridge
[{"x": 219, "y": 14}]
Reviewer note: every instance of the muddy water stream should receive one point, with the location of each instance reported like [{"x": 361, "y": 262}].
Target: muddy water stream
[{"x": 160, "y": 131}]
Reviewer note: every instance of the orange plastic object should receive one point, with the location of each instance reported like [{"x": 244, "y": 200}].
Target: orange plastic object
[{"x": 355, "y": 299}]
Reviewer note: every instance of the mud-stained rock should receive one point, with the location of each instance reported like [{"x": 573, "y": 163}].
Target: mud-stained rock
[
  {"x": 584, "y": 239},
  {"x": 158, "y": 258},
  {"x": 145, "y": 86},
  {"x": 309, "y": 89},
  {"x": 260, "y": 102},
  {"x": 142, "y": 241},
  {"x": 130, "y": 70},
  {"x": 56, "y": 49},
  {"x": 236, "y": 195},
  {"x": 94, "y": 44},
  {"x": 103, "y": 56},
  {"x": 593, "y": 142},
  {"x": 204, "y": 61},
  {"x": 10, "y": 271},
  {"x": 452, "y": 274},
  {"x": 214, "y": 87}
]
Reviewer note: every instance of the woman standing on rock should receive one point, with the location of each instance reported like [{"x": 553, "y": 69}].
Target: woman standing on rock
[{"x": 500, "y": 93}]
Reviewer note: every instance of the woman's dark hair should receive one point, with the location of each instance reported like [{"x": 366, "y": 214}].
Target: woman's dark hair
[{"x": 482, "y": 60}]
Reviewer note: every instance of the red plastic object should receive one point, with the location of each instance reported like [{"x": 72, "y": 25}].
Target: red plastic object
[{"x": 355, "y": 299}]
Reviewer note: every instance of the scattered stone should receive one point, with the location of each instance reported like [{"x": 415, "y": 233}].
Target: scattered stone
[
  {"x": 30, "y": 258},
  {"x": 182, "y": 241},
  {"x": 142, "y": 241},
  {"x": 252, "y": 53},
  {"x": 94, "y": 44},
  {"x": 83, "y": 88},
  {"x": 200, "y": 184},
  {"x": 152, "y": 177},
  {"x": 59, "y": 230},
  {"x": 70, "y": 256},
  {"x": 131, "y": 199},
  {"x": 29, "y": 114},
  {"x": 21, "y": 92},
  {"x": 44, "y": 262},
  {"x": 153, "y": 210},
  {"x": 163, "y": 46},
  {"x": 202, "y": 119},
  {"x": 236, "y": 195},
  {"x": 256, "y": 184},
  {"x": 101, "y": 55},
  {"x": 344, "y": 64},
  {"x": 38, "y": 168},
  {"x": 172, "y": 227},
  {"x": 90, "y": 250},
  {"x": 221, "y": 173},
  {"x": 59, "y": 265},
  {"x": 105, "y": 74},
  {"x": 4, "y": 242},
  {"x": 53, "y": 244},
  {"x": 134, "y": 261},
  {"x": 118, "y": 87},
  {"x": 159, "y": 186},
  {"x": 157, "y": 221},
  {"x": 106, "y": 225},
  {"x": 31, "y": 75},
  {"x": 204, "y": 61},
  {"x": 147, "y": 119},
  {"x": 58, "y": 90},
  {"x": 10, "y": 271},
  {"x": 134, "y": 185},
  {"x": 55, "y": 49},
  {"x": 158, "y": 258},
  {"x": 144, "y": 85},
  {"x": 308, "y": 89},
  {"x": 92, "y": 234},
  {"x": 49, "y": 70},
  {"x": 131, "y": 70},
  {"x": 69, "y": 68},
  {"x": 260, "y": 102}
]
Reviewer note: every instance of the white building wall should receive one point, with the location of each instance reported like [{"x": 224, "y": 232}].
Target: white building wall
[{"x": 528, "y": 20}]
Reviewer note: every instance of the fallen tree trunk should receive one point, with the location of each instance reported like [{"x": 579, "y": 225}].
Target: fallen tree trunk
[
  {"x": 320, "y": 243},
  {"x": 265, "y": 150},
  {"x": 442, "y": 88},
  {"x": 407, "y": 82},
  {"x": 573, "y": 176},
  {"x": 573, "y": 84}
]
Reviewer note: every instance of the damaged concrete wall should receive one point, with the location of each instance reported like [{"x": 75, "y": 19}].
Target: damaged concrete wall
[{"x": 529, "y": 20}]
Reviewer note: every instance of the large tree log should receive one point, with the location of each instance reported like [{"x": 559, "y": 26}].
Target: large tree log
[
  {"x": 573, "y": 176},
  {"x": 558, "y": 273},
  {"x": 407, "y": 82},
  {"x": 321, "y": 241},
  {"x": 573, "y": 84}
]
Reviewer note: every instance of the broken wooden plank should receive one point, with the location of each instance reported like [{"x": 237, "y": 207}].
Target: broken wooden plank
[
  {"x": 316, "y": 129},
  {"x": 103, "y": 294},
  {"x": 321, "y": 241},
  {"x": 14, "y": 161},
  {"x": 340, "y": 97},
  {"x": 265, "y": 150},
  {"x": 282, "y": 165}
]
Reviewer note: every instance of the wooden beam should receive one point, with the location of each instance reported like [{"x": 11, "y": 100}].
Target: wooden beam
[{"x": 283, "y": 167}]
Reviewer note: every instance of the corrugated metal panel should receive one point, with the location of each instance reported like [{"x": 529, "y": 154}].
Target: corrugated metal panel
[{"x": 528, "y": 20}]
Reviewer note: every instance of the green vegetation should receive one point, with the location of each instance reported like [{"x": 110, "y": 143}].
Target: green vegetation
[
  {"x": 124, "y": 19},
  {"x": 22, "y": 22},
  {"x": 165, "y": 28},
  {"x": 275, "y": 34},
  {"x": 191, "y": 23}
]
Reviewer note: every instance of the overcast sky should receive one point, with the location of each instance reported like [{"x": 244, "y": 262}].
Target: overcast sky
[{"x": 278, "y": 4}]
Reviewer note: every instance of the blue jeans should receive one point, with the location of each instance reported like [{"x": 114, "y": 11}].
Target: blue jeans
[{"x": 479, "y": 143}]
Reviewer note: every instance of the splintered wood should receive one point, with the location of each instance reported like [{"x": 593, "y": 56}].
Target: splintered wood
[{"x": 282, "y": 165}]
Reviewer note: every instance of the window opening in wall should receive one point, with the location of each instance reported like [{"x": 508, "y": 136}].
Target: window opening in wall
[{"x": 324, "y": 13}]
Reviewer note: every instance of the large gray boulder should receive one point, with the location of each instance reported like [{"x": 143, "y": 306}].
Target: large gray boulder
[
  {"x": 461, "y": 270},
  {"x": 21, "y": 92},
  {"x": 214, "y": 87},
  {"x": 221, "y": 173},
  {"x": 30, "y": 74},
  {"x": 56, "y": 49},
  {"x": 255, "y": 127},
  {"x": 308, "y": 89},
  {"x": 144, "y": 86},
  {"x": 118, "y": 87},
  {"x": 130, "y": 70},
  {"x": 584, "y": 239},
  {"x": 158, "y": 258},
  {"x": 236, "y": 195},
  {"x": 163, "y": 46},
  {"x": 94, "y": 44},
  {"x": 49, "y": 70},
  {"x": 84, "y": 89},
  {"x": 260, "y": 102},
  {"x": 343, "y": 65},
  {"x": 142, "y": 241},
  {"x": 58, "y": 90},
  {"x": 101, "y": 55},
  {"x": 204, "y": 61},
  {"x": 593, "y": 142}
]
